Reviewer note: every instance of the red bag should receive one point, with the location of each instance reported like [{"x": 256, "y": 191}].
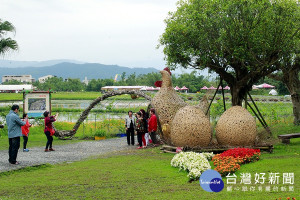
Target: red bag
[{"x": 52, "y": 131}]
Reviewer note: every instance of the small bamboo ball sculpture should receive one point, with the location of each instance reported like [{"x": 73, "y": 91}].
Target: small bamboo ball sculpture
[
  {"x": 190, "y": 127},
  {"x": 236, "y": 127}
]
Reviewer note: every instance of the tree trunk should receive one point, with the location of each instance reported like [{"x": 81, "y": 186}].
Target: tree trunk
[
  {"x": 237, "y": 95},
  {"x": 296, "y": 108},
  {"x": 293, "y": 84}
]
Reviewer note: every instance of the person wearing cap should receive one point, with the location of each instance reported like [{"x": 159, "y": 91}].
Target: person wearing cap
[{"x": 14, "y": 124}]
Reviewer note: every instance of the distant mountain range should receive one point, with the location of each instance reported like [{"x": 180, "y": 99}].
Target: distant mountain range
[
  {"x": 69, "y": 69},
  {"x": 16, "y": 64}
]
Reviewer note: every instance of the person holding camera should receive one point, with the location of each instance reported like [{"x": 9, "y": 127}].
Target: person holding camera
[
  {"x": 49, "y": 130},
  {"x": 14, "y": 124}
]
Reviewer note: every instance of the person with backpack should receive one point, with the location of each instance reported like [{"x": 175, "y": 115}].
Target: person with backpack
[{"x": 140, "y": 129}]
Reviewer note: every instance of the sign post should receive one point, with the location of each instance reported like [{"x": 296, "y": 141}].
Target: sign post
[{"x": 36, "y": 103}]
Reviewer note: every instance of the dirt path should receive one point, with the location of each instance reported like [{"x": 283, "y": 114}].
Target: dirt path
[{"x": 63, "y": 153}]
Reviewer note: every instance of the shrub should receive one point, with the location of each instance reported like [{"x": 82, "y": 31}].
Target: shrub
[{"x": 100, "y": 133}]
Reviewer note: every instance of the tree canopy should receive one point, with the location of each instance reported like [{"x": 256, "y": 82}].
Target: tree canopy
[
  {"x": 241, "y": 40},
  {"x": 6, "y": 43}
]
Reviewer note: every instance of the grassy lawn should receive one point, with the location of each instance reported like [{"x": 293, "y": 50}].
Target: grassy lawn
[
  {"x": 36, "y": 138},
  {"x": 63, "y": 96},
  {"x": 35, "y": 141},
  {"x": 56, "y": 95},
  {"x": 143, "y": 174}
]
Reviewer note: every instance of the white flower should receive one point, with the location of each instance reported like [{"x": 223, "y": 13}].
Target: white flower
[{"x": 194, "y": 163}]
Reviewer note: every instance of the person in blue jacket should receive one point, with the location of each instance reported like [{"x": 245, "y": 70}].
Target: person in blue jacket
[{"x": 14, "y": 124}]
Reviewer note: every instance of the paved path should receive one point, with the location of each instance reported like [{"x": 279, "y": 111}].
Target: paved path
[{"x": 63, "y": 153}]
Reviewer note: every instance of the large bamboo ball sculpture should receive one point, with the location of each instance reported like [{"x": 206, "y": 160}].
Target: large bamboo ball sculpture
[
  {"x": 236, "y": 127},
  {"x": 190, "y": 127}
]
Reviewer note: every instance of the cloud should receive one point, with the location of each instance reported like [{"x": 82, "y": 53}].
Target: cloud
[{"x": 123, "y": 32}]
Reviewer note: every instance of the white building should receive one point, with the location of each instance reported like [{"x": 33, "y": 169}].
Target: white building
[
  {"x": 44, "y": 78},
  {"x": 20, "y": 78},
  {"x": 15, "y": 88},
  {"x": 85, "y": 81}
]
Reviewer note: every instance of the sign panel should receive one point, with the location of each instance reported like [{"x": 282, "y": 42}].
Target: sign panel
[{"x": 35, "y": 104}]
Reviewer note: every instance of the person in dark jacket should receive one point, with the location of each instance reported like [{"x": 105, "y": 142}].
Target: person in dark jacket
[
  {"x": 49, "y": 130},
  {"x": 14, "y": 124},
  {"x": 145, "y": 137},
  {"x": 140, "y": 129}
]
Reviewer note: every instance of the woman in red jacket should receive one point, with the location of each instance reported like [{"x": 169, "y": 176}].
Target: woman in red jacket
[
  {"x": 49, "y": 130},
  {"x": 25, "y": 132},
  {"x": 152, "y": 126}
]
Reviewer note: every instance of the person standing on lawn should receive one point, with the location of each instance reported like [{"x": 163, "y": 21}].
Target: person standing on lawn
[
  {"x": 140, "y": 129},
  {"x": 145, "y": 137},
  {"x": 152, "y": 126},
  {"x": 130, "y": 126},
  {"x": 49, "y": 130},
  {"x": 14, "y": 124},
  {"x": 25, "y": 131}
]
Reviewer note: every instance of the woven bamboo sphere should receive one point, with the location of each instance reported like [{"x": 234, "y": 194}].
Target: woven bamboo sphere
[
  {"x": 236, "y": 127},
  {"x": 166, "y": 103},
  {"x": 190, "y": 127}
]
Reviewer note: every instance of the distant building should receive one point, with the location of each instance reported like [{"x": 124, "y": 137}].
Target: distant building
[
  {"x": 85, "y": 81},
  {"x": 44, "y": 78},
  {"x": 15, "y": 88},
  {"x": 20, "y": 78}
]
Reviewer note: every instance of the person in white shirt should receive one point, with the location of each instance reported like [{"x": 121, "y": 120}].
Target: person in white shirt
[{"x": 130, "y": 127}]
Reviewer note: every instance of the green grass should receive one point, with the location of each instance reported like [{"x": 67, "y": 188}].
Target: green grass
[
  {"x": 144, "y": 174},
  {"x": 11, "y": 96},
  {"x": 35, "y": 141},
  {"x": 63, "y": 96}
]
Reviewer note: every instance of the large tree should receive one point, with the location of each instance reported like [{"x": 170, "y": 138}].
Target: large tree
[
  {"x": 241, "y": 40},
  {"x": 289, "y": 74},
  {"x": 6, "y": 43}
]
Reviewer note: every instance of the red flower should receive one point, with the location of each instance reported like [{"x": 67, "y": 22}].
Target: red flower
[{"x": 229, "y": 161}]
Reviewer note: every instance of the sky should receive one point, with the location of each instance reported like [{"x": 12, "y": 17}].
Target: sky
[{"x": 122, "y": 32}]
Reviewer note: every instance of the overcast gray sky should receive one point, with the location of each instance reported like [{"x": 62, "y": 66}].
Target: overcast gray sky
[{"x": 123, "y": 32}]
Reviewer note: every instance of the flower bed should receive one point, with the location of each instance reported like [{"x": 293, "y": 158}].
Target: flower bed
[
  {"x": 194, "y": 163},
  {"x": 230, "y": 161}
]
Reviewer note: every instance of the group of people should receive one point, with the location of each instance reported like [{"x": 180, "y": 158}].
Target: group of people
[
  {"x": 18, "y": 127},
  {"x": 144, "y": 126}
]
